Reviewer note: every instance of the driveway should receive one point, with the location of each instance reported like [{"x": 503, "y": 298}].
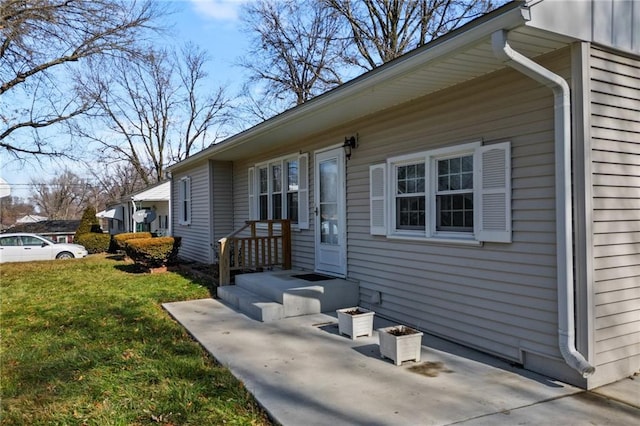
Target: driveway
[{"x": 304, "y": 373}]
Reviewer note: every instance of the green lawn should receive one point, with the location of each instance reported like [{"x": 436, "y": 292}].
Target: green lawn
[{"x": 87, "y": 342}]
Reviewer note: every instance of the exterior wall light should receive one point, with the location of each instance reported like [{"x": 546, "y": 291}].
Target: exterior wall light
[{"x": 350, "y": 143}]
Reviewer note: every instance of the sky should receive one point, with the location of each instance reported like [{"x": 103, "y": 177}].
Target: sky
[{"x": 213, "y": 25}]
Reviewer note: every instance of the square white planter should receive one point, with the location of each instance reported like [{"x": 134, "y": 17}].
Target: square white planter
[
  {"x": 406, "y": 347},
  {"x": 355, "y": 325}
]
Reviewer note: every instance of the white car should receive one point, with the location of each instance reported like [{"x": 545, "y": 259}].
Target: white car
[{"x": 22, "y": 247}]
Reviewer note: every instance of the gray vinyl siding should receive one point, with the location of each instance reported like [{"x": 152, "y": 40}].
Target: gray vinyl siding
[
  {"x": 196, "y": 237},
  {"x": 615, "y": 138},
  {"x": 500, "y": 298},
  {"x": 221, "y": 199}
]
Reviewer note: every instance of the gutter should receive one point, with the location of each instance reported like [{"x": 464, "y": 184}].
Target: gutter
[{"x": 562, "y": 136}]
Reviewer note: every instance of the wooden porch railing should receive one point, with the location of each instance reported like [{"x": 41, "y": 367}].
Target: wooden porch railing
[{"x": 254, "y": 247}]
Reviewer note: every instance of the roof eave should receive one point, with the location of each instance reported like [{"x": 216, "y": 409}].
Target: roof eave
[{"x": 507, "y": 17}]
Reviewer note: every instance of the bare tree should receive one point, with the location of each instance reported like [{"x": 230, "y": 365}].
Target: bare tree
[
  {"x": 115, "y": 181},
  {"x": 382, "y": 30},
  {"x": 12, "y": 209},
  {"x": 45, "y": 42},
  {"x": 295, "y": 50},
  {"x": 154, "y": 111},
  {"x": 200, "y": 113},
  {"x": 63, "y": 197}
]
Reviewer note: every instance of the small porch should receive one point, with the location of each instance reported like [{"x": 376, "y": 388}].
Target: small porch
[
  {"x": 274, "y": 295},
  {"x": 257, "y": 257}
]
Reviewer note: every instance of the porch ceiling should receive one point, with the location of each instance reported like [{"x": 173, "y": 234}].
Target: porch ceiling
[{"x": 441, "y": 64}]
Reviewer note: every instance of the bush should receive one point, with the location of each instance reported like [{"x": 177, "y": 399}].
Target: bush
[
  {"x": 93, "y": 242},
  {"x": 153, "y": 252},
  {"x": 89, "y": 222},
  {"x": 120, "y": 239}
]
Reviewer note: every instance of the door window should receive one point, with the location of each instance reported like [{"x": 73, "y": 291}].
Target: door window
[{"x": 329, "y": 201}]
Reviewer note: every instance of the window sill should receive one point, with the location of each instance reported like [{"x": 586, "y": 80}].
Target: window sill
[{"x": 466, "y": 241}]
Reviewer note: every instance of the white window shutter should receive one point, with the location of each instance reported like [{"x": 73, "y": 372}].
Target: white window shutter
[
  {"x": 251, "y": 189},
  {"x": 377, "y": 199},
  {"x": 180, "y": 201},
  {"x": 189, "y": 201},
  {"x": 184, "y": 198},
  {"x": 493, "y": 165},
  {"x": 303, "y": 191}
]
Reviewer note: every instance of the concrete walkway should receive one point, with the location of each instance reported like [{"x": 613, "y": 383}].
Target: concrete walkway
[{"x": 304, "y": 373}]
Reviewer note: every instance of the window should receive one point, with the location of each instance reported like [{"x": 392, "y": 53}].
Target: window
[
  {"x": 9, "y": 241},
  {"x": 410, "y": 196},
  {"x": 263, "y": 194},
  {"x": 278, "y": 190},
  {"x": 456, "y": 193},
  {"x": 292, "y": 190},
  {"x": 31, "y": 241},
  {"x": 61, "y": 239},
  {"x": 184, "y": 201}
]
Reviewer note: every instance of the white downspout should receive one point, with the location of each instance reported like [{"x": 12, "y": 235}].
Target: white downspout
[
  {"x": 562, "y": 136},
  {"x": 132, "y": 222}
]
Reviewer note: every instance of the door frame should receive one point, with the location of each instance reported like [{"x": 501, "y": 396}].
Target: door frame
[{"x": 337, "y": 152}]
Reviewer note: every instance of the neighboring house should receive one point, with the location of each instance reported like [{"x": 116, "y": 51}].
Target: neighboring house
[
  {"x": 60, "y": 231},
  {"x": 31, "y": 218},
  {"x": 491, "y": 195},
  {"x": 145, "y": 210}
]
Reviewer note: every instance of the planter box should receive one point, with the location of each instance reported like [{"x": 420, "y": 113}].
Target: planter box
[
  {"x": 355, "y": 325},
  {"x": 399, "y": 348}
]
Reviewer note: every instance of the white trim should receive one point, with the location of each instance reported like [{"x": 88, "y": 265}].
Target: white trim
[
  {"x": 303, "y": 191},
  {"x": 251, "y": 173},
  {"x": 331, "y": 259},
  {"x": 437, "y": 240}
]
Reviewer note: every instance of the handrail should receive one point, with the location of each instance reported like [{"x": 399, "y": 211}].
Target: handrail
[{"x": 263, "y": 248}]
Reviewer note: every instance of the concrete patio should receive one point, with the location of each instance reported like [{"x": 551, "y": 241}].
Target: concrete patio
[{"x": 304, "y": 373}]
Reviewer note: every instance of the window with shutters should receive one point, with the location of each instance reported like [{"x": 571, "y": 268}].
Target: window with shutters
[
  {"x": 459, "y": 193},
  {"x": 281, "y": 190}
]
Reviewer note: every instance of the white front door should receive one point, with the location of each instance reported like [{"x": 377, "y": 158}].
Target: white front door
[{"x": 330, "y": 212}]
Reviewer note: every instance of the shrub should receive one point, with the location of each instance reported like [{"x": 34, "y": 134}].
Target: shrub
[
  {"x": 120, "y": 239},
  {"x": 93, "y": 242},
  {"x": 89, "y": 222},
  {"x": 153, "y": 252}
]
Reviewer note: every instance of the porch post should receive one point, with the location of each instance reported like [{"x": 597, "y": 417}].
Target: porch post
[{"x": 286, "y": 244}]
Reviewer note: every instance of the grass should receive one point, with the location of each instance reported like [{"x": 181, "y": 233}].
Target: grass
[{"x": 86, "y": 342}]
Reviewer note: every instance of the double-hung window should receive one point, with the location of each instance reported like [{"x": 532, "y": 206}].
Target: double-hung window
[
  {"x": 281, "y": 190},
  {"x": 456, "y": 193}
]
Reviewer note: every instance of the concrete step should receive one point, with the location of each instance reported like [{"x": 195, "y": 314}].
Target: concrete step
[
  {"x": 252, "y": 304},
  {"x": 300, "y": 297}
]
